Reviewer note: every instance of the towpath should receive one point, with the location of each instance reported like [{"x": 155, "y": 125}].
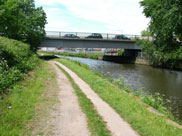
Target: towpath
[{"x": 72, "y": 119}]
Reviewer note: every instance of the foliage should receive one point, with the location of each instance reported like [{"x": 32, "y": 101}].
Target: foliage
[
  {"x": 165, "y": 26},
  {"x": 165, "y": 22},
  {"x": 20, "y": 104},
  {"x": 146, "y": 32},
  {"x": 170, "y": 59},
  {"x": 21, "y": 20},
  {"x": 81, "y": 55},
  {"x": 121, "y": 52},
  {"x": 15, "y": 59},
  {"x": 78, "y": 54}
]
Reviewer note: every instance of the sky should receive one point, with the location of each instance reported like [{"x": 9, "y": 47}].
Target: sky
[{"x": 101, "y": 16}]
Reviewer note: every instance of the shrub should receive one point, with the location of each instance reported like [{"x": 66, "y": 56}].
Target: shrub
[
  {"x": 170, "y": 59},
  {"x": 121, "y": 52},
  {"x": 15, "y": 60}
]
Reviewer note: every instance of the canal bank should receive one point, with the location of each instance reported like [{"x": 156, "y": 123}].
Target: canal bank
[
  {"x": 150, "y": 80},
  {"x": 127, "y": 106},
  {"x": 143, "y": 61},
  {"x": 126, "y": 59}
]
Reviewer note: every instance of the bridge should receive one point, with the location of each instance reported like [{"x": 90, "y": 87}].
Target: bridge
[{"x": 89, "y": 40}]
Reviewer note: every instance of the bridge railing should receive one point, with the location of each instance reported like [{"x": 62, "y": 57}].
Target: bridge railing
[{"x": 84, "y": 35}]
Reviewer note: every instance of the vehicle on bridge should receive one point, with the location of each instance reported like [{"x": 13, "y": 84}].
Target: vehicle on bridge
[
  {"x": 95, "y": 35},
  {"x": 121, "y": 36},
  {"x": 111, "y": 51},
  {"x": 70, "y": 36},
  {"x": 89, "y": 40}
]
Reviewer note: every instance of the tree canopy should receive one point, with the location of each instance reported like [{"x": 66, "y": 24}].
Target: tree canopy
[
  {"x": 166, "y": 29},
  {"x": 165, "y": 22},
  {"x": 21, "y": 20},
  {"x": 146, "y": 33}
]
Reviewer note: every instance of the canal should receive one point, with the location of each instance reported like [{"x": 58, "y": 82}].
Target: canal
[{"x": 139, "y": 77}]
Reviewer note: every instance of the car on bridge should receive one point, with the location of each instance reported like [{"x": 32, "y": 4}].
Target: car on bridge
[
  {"x": 121, "y": 36},
  {"x": 95, "y": 35},
  {"x": 70, "y": 36},
  {"x": 111, "y": 51}
]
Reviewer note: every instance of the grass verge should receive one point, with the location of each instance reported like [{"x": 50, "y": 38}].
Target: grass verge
[
  {"x": 92, "y": 55},
  {"x": 18, "y": 107},
  {"x": 95, "y": 123},
  {"x": 127, "y": 106}
]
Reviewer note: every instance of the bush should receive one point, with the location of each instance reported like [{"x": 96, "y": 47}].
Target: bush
[
  {"x": 23, "y": 21},
  {"x": 15, "y": 60},
  {"x": 170, "y": 59},
  {"x": 121, "y": 52}
]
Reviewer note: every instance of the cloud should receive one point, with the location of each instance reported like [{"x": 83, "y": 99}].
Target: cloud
[
  {"x": 115, "y": 15},
  {"x": 54, "y": 22}
]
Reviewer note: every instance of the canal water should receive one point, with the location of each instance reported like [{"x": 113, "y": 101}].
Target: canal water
[{"x": 139, "y": 77}]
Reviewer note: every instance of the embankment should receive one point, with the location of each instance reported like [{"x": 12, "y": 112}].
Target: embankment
[
  {"x": 23, "y": 82},
  {"x": 119, "y": 59},
  {"x": 125, "y": 104}
]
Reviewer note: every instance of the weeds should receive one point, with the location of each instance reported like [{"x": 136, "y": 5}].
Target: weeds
[
  {"x": 95, "y": 122},
  {"x": 18, "y": 106},
  {"x": 81, "y": 55},
  {"x": 155, "y": 100},
  {"x": 15, "y": 60},
  {"x": 125, "y": 104}
]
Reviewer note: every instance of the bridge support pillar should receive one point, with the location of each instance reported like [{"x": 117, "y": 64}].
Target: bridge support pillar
[{"x": 129, "y": 56}]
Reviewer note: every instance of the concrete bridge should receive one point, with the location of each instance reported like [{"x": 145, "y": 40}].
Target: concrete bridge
[{"x": 84, "y": 40}]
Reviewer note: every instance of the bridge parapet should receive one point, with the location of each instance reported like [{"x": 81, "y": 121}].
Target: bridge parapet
[
  {"x": 89, "y": 40},
  {"x": 85, "y": 35}
]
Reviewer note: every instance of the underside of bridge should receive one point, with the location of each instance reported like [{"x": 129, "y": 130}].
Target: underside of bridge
[{"x": 89, "y": 43}]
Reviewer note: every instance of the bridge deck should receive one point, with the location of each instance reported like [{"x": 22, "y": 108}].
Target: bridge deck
[
  {"x": 61, "y": 41},
  {"x": 90, "y": 39}
]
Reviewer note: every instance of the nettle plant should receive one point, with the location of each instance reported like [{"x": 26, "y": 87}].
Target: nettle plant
[
  {"x": 16, "y": 59},
  {"x": 3, "y": 64}
]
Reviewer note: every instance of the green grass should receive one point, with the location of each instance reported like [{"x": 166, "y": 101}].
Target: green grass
[
  {"x": 45, "y": 53},
  {"x": 19, "y": 105},
  {"x": 156, "y": 100},
  {"x": 91, "y": 55},
  {"x": 95, "y": 123},
  {"x": 127, "y": 106}
]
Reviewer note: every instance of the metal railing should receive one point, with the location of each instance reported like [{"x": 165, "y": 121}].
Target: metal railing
[
  {"x": 141, "y": 55},
  {"x": 84, "y": 35}
]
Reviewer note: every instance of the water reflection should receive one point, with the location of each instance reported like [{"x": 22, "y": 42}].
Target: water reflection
[{"x": 147, "y": 78}]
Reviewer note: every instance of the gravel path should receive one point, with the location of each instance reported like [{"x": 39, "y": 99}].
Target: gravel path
[
  {"x": 71, "y": 121},
  {"x": 114, "y": 122}
]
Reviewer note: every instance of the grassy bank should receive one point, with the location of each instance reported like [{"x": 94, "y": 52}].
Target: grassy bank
[
  {"x": 16, "y": 59},
  {"x": 19, "y": 105},
  {"x": 127, "y": 106},
  {"x": 96, "y": 125},
  {"x": 76, "y": 54}
]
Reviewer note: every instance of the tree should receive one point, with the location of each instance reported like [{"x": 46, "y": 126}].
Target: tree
[
  {"x": 21, "y": 20},
  {"x": 146, "y": 33},
  {"x": 165, "y": 23}
]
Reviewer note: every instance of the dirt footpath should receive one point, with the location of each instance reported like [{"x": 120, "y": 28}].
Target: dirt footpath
[
  {"x": 70, "y": 121},
  {"x": 114, "y": 122}
]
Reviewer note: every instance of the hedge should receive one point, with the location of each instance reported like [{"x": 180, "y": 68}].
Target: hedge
[{"x": 16, "y": 59}]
